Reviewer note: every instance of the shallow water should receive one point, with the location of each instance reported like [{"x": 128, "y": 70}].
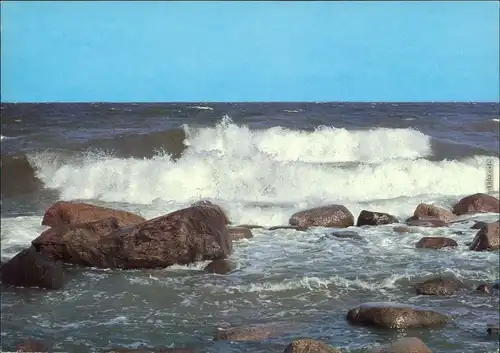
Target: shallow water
[{"x": 261, "y": 163}]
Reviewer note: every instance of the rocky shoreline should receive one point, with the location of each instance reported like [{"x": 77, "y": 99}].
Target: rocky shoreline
[{"x": 92, "y": 236}]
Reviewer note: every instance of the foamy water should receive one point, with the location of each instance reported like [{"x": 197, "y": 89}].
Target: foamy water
[{"x": 263, "y": 177}]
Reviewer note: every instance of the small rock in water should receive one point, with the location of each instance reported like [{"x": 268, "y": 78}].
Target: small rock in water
[
  {"x": 435, "y": 243},
  {"x": 257, "y": 332},
  {"x": 477, "y": 203},
  {"x": 220, "y": 267},
  {"x": 488, "y": 238},
  {"x": 249, "y": 226},
  {"x": 437, "y": 286},
  {"x": 426, "y": 222},
  {"x": 484, "y": 288},
  {"x": 347, "y": 235},
  {"x": 369, "y": 218},
  {"x": 32, "y": 345},
  {"x": 297, "y": 228},
  {"x": 309, "y": 346},
  {"x": 493, "y": 331},
  {"x": 238, "y": 233},
  {"x": 394, "y": 316},
  {"x": 336, "y": 216},
  {"x": 405, "y": 345},
  {"x": 424, "y": 211}
]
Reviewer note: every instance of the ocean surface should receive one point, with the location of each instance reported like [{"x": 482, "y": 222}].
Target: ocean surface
[{"x": 261, "y": 163}]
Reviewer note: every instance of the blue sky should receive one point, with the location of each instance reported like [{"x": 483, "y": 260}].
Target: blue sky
[{"x": 249, "y": 51}]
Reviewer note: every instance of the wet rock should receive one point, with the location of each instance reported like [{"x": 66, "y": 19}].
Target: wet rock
[
  {"x": 477, "y": 203},
  {"x": 435, "y": 243},
  {"x": 309, "y": 346},
  {"x": 30, "y": 268},
  {"x": 347, "y": 235},
  {"x": 151, "y": 350},
  {"x": 437, "y": 286},
  {"x": 253, "y": 332},
  {"x": 220, "y": 267},
  {"x": 336, "y": 216},
  {"x": 402, "y": 229},
  {"x": 493, "y": 331},
  {"x": 405, "y": 345},
  {"x": 32, "y": 345},
  {"x": 426, "y": 222},
  {"x": 64, "y": 212},
  {"x": 425, "y": 211},
  {"x": 484, "y": 288},
  {"x": 496, "y": 285},
  {"x": 181, "y": 237},
  {"x": 65, "y": 242},
  {"x": 488, "y": 238},
  {"x": 297, "y": 228},
  {"x": 217, "y": 208},
  {"x": 394, "y": 316},
  {"x": 249, "y": 226},
  {"x": 238, "y": 233},
  {"x": 369, "y": 218},
  {"x": 479, "y": 225}
]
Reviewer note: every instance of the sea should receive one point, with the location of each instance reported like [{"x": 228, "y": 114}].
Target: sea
[{"x": 261, "y": 162}]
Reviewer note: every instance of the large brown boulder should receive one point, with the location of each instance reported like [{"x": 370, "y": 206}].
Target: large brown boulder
[
  {"x": 435, "y": 243},
  {"x": 66, "y": 242},
  {"x": 477, "y": 203},
  {"x": 185, "y": 236},
  {"x": 437, "y": 286},
  {"x": 369, "y": 218},
  {"x": 336, "y": 216},
  {"x": 64, "y": 212},
  {"x": 30, "y": 268},
  {"x": 404, "y": 345},
  {"x": 394, "y": 316},
  {"x": 488, "y": 238},
  {"x": 309, "y": 346},
  {"x": 425, "y": 211}
]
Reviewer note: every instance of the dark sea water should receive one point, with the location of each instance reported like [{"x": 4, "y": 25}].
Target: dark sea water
[{"x": 261, "y": 163}]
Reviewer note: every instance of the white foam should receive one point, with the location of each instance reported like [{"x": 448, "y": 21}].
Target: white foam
[
  {"x": 200, "y": 107},
  {"x": 18, "y": 232},
  {"x": 496, "y": 120},
  {"x": 265, "y": 176}
]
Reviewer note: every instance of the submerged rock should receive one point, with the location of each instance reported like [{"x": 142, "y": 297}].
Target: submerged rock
[
  {"x": 238, "y": 233},
  {"x": 32, "y": 345},
  {"x": 309, "y": 346},
  {"x": 370, "y": 218},
  {"x": 64, "y": 212},
  {"x": 477, "y": 203},
  {"x": 435, "y": 243},
  {"x": 30, "y": 268},
  {"x": 488, "y": 238},
  {"x": 336, "y": 216},
  {"x": 257, "y": 332},
  {"x": 394, "y": 316},
  {"x": 405, "y": 345},
  {"x": 437, "y": 286},
  {"x": 297, "y": 228},
  {"x": 426, "y": 222}
]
